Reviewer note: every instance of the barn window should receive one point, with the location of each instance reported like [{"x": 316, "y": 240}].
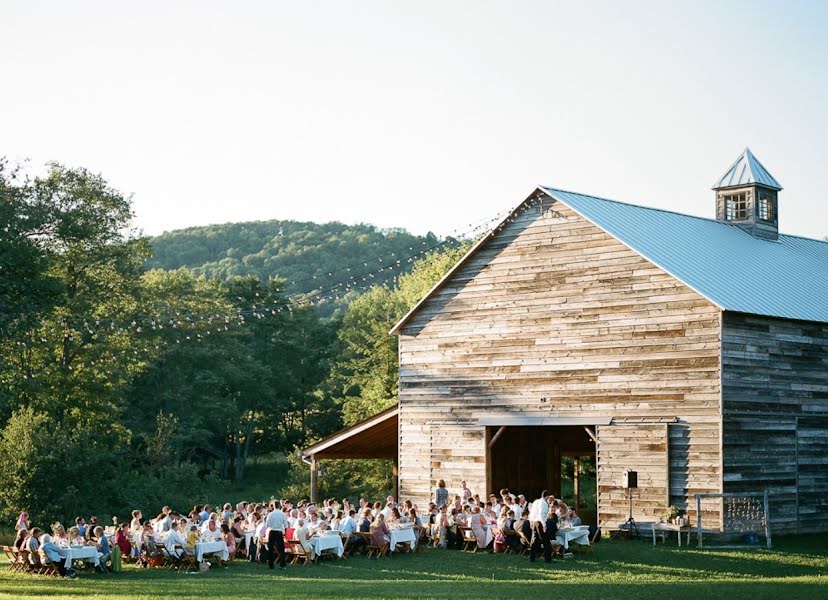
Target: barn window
[
  {"x": 766, "y": 206},
  {"x": 736, "y": 206}
]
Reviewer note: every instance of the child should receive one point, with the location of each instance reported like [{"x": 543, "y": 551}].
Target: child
[{"x": 192, "y": 539}]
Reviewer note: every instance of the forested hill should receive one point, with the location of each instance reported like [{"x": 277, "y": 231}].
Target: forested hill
[{"x": 302, "y": 253}]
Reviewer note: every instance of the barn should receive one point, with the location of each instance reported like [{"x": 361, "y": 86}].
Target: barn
[{"x": 691, "y": 350}]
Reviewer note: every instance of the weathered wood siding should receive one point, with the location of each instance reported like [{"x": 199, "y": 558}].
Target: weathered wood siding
[
  {"x": 643, "y": 449},
  {"x": 554, "y": 307},
  {"x": 775, "y": 403}
]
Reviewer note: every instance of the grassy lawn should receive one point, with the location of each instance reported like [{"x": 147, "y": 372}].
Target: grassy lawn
[{"x": 796, "y": 568}]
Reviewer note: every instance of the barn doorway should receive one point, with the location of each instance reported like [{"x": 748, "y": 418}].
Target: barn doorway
[{"x": 528, "y": 459}]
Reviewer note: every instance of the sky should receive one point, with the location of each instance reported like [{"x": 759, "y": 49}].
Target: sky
[{"x": 423, "y": 115}]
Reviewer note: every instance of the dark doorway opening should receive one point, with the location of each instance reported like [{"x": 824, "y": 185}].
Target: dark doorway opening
[{"x": 528, "y": 459}]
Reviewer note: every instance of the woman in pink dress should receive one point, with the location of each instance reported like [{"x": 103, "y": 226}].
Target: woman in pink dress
[{"x": 476, "y": 524}]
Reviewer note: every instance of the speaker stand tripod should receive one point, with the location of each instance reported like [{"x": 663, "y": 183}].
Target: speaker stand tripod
[{"x": 629, "y": 524}]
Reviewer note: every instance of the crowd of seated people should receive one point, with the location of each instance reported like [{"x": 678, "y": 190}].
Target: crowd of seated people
[{"x": 259, "y": 531}]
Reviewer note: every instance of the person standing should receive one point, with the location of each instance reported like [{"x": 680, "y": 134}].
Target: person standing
[
  {"x": 276, "y": 535},
  {"x": 441, "y": 494},
  {"x": 538, "y": 517}
]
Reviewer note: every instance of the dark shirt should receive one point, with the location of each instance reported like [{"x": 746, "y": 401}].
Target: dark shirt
[
  {"x": 524, "y": 527},
  {"x": 365, "y": 526}
]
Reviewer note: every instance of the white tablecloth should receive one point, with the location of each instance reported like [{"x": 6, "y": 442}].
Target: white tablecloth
[
  {"x": 219, "y": 548},
  {"x": 579, "y": 535},
  {"x": 248, "y": 539},
  {"x": 327, "y": 542},
  {"x": 89, "y": 554},
  {"x": 404, "y": 535}
]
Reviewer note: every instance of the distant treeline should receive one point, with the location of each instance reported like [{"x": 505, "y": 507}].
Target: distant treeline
[{"x": 125, "y": 387}]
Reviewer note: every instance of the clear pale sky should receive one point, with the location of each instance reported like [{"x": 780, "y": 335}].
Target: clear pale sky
[{"x": 423, "y": 115}]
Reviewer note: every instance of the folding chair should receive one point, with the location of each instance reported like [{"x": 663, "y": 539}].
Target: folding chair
[
  {"x": 298, "y": 552},
  {"x": 171, "y": 560},
  {"x": 525, "y": 544},
  {"x": 507, "y": 534},
  {"x": 187, "y": 560},
  {"x": 47, "y": 567},
  {"x": 11, "y": 555},
  {"x": 469, "y": 539}
]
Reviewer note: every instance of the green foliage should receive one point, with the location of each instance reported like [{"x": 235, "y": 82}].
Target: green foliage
[
  {"x": 122, "y": 387},
  {"x": 306, "y": 256},
  {"x": 367, "y": 373}
]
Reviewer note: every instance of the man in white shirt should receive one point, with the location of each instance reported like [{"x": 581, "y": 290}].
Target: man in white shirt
[
  {"x": 538, "y": 516},
  {"x": 174, "y": 538},
  {"x": 212, "y": 533},
  {"x": 164, "y": 522},
  {"x": 276, "y": 522}
]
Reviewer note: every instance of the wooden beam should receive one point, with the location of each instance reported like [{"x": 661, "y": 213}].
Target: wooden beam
[
  {"x": 395, "y": 474},
  {"x": 590, "y": 434},
  {"x": 497, "y": 435},
  {"x": 576, "y": 482},
  {"x": 314, "y": 479}
]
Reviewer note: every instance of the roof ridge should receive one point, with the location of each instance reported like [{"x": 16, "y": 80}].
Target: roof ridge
[
  {"x": 664, "y": 210},
  {"x": 675, "y": 212}
]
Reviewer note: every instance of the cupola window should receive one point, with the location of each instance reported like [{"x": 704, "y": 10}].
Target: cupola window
[{"x": 736, "y": 207}]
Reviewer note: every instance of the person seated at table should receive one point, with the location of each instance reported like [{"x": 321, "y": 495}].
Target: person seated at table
[
  {"x": 204, "y": 514},
  {"x": 56, "y": 555},
  {"x": 193, "y": 537},
  {"x": 453, "y": 538},
  {"x": 476, "y": 522},
  {"x": 212, "y": 533},
  {"x": 20, "y": 537},
  {"x": 348, "y": 524},
  {"x": 75, "y": 537},
  {"x": 313, "y": 521},
  {"x": 102, "y": 545},
  {"x": 375, "y": 510},
  {"x": 59, "y": 535},
  {"x": 499, "y": 531},
  {"x": 226, "y": 514},
  {"x": 573, "y": 519},
  {"x": 228, "y": 538},
  {"x": 336, "y": 520},
  {"x": 135, "y": 524},
  {"x": 260, "y": 535},
  {"x": 175, "y": 542},
  {"x": 488, "y": 514},
  {"x": 439, "y": 527},
  {"x": 364, "y": 524},
  {"x": 32, "y": 542},
  {"x": 523, "y": 525},
  {"x": 149, "y": 548},
  {"x": 380, "y": 533},
  {"x": 237, "y": 529},
  {"x": 395, "y": 519},
  {"x": 302, "y": 535},
  {"x": 123, "y": 540},
  {"x": 80, "y": 524}
]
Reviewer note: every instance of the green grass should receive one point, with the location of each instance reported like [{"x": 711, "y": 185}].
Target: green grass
[{"x": 796, "y": 568}]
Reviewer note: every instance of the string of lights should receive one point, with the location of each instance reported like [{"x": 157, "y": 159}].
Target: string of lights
[{"x": 198, "y": 326}]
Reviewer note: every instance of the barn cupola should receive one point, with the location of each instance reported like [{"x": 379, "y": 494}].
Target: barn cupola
[{"x": 746, "y": 195}]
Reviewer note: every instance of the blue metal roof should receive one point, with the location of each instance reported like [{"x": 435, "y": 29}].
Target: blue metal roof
[
  {"x": 785, "y": 278},
  {"x": 745, "y": 171}
]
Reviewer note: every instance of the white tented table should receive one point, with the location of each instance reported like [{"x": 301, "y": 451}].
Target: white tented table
[
  {"x": 579, "y": 535},
  {"x": 89, "y": 554},
  {"x": 219, "y": 548},
  {"x": 404, "y": 535},
  {"x": 331, "y": 541},
  {"x": 248, "y": 539}
]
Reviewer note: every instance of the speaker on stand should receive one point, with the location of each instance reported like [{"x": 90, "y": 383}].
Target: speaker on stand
[{"x": 629, "y": 483}]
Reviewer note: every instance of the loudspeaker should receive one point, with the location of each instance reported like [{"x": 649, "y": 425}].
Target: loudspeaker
[{"x": 630, "y": 479}]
